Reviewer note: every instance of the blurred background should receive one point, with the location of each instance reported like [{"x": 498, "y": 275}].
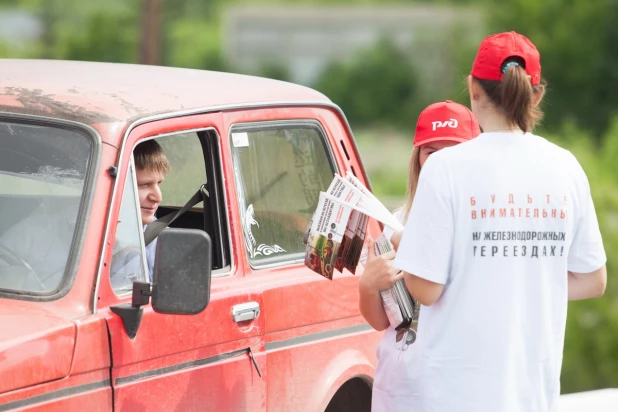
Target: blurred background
[{"x": 382, "y": 62}]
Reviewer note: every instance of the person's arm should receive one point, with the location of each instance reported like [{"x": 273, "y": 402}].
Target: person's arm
[
  {"x": 371, "y": 308},
  {"x": 587, "y": 275},
  {"x": 587, "y": 285},
  {"x": 396, "y": 239},
  {"x": 423, "y": 290},
  {"x": 378, "y": 274}
]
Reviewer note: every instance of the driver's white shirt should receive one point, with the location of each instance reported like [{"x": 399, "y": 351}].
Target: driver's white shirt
[
  {"x": 43, "y": 241},
  {"x": 127, "y": 270}
]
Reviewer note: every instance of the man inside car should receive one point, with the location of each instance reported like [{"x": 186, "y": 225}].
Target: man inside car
[
  {"x": 37, "y": 247},
  {"x": 151, "y": 167}
]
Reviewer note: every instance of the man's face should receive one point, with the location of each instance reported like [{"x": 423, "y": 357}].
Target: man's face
[{"x": 149, "y": 191}]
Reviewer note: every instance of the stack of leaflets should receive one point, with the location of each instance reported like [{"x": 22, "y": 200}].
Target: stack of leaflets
[
  {"x": 336, "y": 235},
  {"x": 400, "y": 307}
]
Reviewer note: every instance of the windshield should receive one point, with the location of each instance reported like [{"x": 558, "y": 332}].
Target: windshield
[{"x": 42, "y": 175}]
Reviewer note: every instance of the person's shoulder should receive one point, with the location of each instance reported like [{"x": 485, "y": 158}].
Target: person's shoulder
[
  {"x": 459, "y": 151},
  {"x": 555, "y": 153},
  {"x": 545, "y": 144},
  {"x": 451, "y": 157},
  {"x": 566, "y": 162}
]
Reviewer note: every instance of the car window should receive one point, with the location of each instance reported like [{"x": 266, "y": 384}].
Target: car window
[
  {"x": 279, "y": 172},
  {"x": 43, "y": 171},
  {"x": 185, "y": 155}
]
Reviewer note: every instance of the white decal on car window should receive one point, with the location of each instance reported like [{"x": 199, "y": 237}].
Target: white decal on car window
[{"x": 250, "y": 242}]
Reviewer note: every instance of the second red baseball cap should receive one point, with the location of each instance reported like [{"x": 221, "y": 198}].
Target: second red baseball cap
[
  {"x": 497, "y": 48},
  {"x": 445, "y": 121}
]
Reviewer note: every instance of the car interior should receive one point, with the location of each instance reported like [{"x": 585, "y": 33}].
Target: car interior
[{"x": 211, "y": 214}]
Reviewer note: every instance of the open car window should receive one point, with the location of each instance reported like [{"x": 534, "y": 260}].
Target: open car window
[
  {"x": 195, "y": 164},
  {"x": 186, "y": 157}
]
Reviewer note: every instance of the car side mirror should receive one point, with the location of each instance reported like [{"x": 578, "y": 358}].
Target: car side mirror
[
  {"x": 181, "y": 286},
  {"x": 182, "y": 272}
]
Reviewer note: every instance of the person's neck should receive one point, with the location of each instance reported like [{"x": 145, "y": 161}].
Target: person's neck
[
  {"x": 491, "y": 122},
  {"x": 501, "y": 129}
]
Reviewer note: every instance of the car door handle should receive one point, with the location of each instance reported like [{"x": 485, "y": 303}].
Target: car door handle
[{"x": 245, "y": 311}]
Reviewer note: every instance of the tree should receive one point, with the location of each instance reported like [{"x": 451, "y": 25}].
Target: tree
[
  {"x": 377, "y": 86},
  {"x": 576, "y": 39},
  {"x": 106, "y": 38},
  {"x": 150, "y": 32}
]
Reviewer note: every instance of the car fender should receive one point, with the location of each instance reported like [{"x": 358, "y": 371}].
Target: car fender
[{"x": 346, "y": 365}]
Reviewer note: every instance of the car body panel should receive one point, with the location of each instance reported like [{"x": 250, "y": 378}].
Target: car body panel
[{"x": 33, "y": 339}]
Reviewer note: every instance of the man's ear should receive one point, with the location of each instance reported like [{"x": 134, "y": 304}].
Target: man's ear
[{"x": 474, "y": 88}]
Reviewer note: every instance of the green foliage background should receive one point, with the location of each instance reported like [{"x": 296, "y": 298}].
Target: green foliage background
[{"x": 381, "y": 93}]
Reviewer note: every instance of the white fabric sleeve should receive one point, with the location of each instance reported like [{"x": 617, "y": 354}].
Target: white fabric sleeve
[
  {"x": 586, "y": 253},
  {"x": 427, "y": 243}
]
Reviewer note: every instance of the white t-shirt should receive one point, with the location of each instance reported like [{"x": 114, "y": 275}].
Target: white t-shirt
[
  {"x": 499, "y": 221},
  {"x": 391, "y": 383}
]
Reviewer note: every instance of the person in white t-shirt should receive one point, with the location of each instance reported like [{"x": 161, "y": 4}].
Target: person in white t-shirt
[
  {"x": 502, "y": 233},
  {"x": 440, "y": 125}
]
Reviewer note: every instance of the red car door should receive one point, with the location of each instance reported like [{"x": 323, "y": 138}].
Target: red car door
[
  {"x": 316, "y": 339},
  {"x": 212, "y": 361}
]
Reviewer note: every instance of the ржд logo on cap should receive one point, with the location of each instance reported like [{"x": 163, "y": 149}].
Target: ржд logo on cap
[{"x": 452, "y": 123}]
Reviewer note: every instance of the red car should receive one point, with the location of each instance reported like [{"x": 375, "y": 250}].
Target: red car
[{"x": 234, "y": 320}]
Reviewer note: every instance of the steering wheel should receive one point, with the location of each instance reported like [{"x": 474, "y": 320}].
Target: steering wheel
[{"x": 13, "y": 258}]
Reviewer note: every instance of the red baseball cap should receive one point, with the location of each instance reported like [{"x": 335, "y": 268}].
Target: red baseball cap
[
  {"x": 445, "y": 121},
  {"x": 497, "y": 48}
]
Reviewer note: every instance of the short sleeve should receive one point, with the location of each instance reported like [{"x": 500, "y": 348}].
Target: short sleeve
[
  {"x": 586, "y": 253},
  {"x": 427, "y": 243}
]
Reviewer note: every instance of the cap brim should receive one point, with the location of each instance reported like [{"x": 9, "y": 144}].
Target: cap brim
[{"x": 443, "y": 139}]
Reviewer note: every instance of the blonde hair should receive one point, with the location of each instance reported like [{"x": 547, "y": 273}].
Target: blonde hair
[
  {"x": 149, "y": 155},
  {"x": 414, "y": 171}
]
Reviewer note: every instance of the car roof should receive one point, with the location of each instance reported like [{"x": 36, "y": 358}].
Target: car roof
[{"x": 103, "y": 93}]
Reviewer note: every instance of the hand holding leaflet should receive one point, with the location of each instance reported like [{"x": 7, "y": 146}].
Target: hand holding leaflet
[
  {"x": 336, "y": 232},
  {"x": 336, "y": 235},
  {"x": 401, "y": 308}
]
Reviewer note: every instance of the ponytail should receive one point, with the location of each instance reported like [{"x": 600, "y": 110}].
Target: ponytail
[{"x": 515, "y": 95}]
